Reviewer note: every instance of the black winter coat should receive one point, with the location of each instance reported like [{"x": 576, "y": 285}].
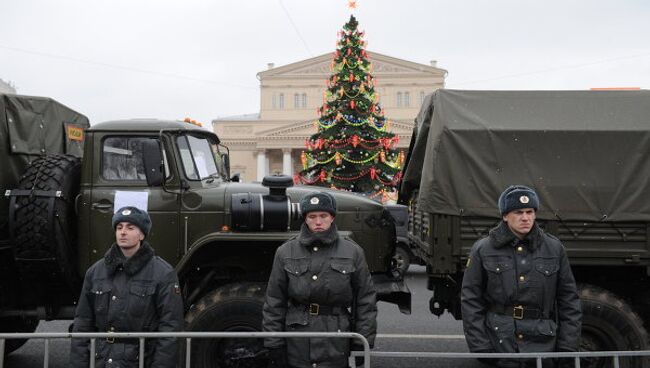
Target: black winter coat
[
  {"x": 325, "y": 269},
  {"x": 139, "y": 294},
  {"x": 504, "y": 272}
]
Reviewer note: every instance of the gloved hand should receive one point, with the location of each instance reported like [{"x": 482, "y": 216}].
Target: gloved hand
[
  {"x": 278, "y": 358},
  {"x": 359, "y": 360}
]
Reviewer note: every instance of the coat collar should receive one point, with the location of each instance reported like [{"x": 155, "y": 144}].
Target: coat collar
[
  {"x": 502, "y": 236},
  {"x": 114, "y": 259},
  {"x": 327, "y": 237}
]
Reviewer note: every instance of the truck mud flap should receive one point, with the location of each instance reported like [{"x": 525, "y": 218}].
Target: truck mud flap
[{"x": 394, "y": 291}]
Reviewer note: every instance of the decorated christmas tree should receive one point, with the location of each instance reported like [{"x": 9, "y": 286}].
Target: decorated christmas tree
[{"x": 353, "y": 149}]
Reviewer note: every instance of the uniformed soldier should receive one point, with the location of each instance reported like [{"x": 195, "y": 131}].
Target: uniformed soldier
[
  {"x": 518, "y": 292},
  {"x": 319, "y": 282},
  {"x": 130, "y": 289}
]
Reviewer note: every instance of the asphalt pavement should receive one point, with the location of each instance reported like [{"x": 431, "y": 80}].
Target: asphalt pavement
[{"x": 391, "y": 322}]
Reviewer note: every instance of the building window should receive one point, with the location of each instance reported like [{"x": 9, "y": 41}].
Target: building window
[
  {"x": 281, "y": 101},
  {"x": 399, "y": 99},
  {"x": 304, "y": 100},
  {"x": 274, "y": 101},
  {"x": 407, "y": 99},
  {"x": 421, "y": 97},
  {"x": 296, "y": 100}
]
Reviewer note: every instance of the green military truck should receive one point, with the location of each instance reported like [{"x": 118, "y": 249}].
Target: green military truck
[
  {"x": 587, "y": 154},
  {"x": 62, "y": 180}
]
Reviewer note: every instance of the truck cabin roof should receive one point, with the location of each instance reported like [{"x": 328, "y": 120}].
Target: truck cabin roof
[{"x": 147, "y": 125}]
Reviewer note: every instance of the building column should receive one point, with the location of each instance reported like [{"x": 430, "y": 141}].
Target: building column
[
  {"x": 287, "y": 162},
  {"x": 261, "y": 164}
]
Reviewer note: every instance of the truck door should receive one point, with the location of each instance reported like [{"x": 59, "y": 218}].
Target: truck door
[{"x": 120, "y": 168}]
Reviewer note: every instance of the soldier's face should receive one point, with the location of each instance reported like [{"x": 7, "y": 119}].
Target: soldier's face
[
  {"x": 128, "y": 236},
  {"x": 520, "y": 221},
  {"x": 319, "y": 221}
]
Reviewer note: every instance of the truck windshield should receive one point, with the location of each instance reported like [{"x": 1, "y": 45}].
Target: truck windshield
[{"x": 200, "y": 157}]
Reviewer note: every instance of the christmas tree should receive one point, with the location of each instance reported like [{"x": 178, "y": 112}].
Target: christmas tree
[{"x": 353, "y": 149}]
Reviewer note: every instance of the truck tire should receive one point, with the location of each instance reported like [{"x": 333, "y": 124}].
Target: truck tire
[
  {"x": 233, "y": 307},
  {"x": 16, "y": 324},
  {"x": 402, "y": 259},
  {"x": 610, "y": 324},
  {"x": 44, "y": 228}
]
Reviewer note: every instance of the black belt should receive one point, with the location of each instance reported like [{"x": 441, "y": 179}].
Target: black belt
[
  {"x": 326, "y": 310},
  {"x": 518, "y": 311},
  {"x": 123, "y": 340}
]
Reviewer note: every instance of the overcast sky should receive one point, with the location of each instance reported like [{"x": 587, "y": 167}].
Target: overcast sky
[{"x": 115, "y": 59}]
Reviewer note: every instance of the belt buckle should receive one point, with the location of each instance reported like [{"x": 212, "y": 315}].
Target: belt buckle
[
  {"x": 518, "y": 312},
  {"x": 314, "y": 309},
  {"x": 110, "y": 339}
]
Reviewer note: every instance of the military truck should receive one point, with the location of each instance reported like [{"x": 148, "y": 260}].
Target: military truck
[
  {"x": 587, "y": 155},
  {"x": 63, "y": 179}
]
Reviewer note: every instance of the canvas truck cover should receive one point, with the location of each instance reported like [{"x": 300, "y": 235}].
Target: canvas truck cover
[
  {"x": 30, "y": 127},
  {"x": 586, "y": 153}
]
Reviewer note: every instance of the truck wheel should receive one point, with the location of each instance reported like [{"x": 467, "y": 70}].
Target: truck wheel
[
  {"x": 16, "y": 324},
  {"x": 234, "y": 307},
  {"x": 402, "y": 259},
  {"x": 610, "y": 324},
  {"x": 44, "y": 228}
]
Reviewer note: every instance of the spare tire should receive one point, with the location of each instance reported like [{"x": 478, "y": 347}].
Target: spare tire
[{"x": 42, "y": 221}]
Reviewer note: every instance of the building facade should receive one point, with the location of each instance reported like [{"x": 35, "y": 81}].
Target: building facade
[{"x": 271, "y": 141}]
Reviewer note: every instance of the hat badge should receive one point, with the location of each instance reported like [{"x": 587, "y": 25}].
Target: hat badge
[
  {"x": 524, "y": 199},
  {"x": 126, "y": 212},
  {"x": 314, "y": 200}
]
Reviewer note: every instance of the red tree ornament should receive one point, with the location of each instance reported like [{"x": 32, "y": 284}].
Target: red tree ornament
[{"x": 354, "y": 140}]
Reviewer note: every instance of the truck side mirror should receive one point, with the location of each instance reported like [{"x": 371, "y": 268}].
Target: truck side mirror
[
  {"x": 225, "y": 158},
  {"x": 153, "y": 162}
]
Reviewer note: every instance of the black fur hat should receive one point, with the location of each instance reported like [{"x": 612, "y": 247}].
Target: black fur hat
[
  {"x": 134, "y": 216},
  {"x": 516, "y": 197},
  {"x": 318, "y": 202}
]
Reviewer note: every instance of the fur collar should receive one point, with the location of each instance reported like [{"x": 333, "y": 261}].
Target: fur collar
[
  {"x": 114, "y": 259},
  {"x": 502, "y": 236},
  {"x": 327, "y": 237}
]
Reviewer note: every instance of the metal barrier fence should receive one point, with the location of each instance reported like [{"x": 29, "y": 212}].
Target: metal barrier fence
[{"x": 188, "y": 336}]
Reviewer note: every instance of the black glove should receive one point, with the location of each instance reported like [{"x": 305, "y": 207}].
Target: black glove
[
  {"x": 359, "y": 360},
  {"x": 278, "y": 358}
]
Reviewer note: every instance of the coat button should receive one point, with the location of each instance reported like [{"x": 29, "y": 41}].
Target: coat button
[
  {"x": 110, "y": 361},
  {"x": 520, "y": 337},
  {"x": 112, "y": 329},
  {"x": 498, "y": 269},
  {"x": 522, "y": 278},
  {"x": 496, "y": 328},
  {"x": 314, "y": 277},
  {"x": 520, "y": 249},
  {"x": 114, "y": 297},
  {"x": 315, "y": 249},
  {"x": 314, "y": 365}
]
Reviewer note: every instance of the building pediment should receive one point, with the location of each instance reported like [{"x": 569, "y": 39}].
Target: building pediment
[{"x": 320, "y": 65}]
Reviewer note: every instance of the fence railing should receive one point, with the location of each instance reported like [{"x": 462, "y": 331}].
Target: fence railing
[
  {"x": 366, "y": 353},
  {"x": 188, "y": 336}
]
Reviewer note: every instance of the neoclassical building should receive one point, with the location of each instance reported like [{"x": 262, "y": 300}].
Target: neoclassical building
[{"x": 272, "y": 140}]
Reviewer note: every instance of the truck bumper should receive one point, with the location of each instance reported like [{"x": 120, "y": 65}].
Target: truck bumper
[{"x": 393, "y": 290}]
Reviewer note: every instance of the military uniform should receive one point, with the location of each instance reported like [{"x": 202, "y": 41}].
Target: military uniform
[
  {"x": 312, "y": 287},
  {"x": 519, "y": 295},
  {"x": 140, "y": 294}
]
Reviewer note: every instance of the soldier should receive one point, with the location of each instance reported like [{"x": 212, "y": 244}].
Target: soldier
[
  {"x": 518, "y": 293},
  {"x": 319, "y": 282},
  {"x": 130, "y": 289}
]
